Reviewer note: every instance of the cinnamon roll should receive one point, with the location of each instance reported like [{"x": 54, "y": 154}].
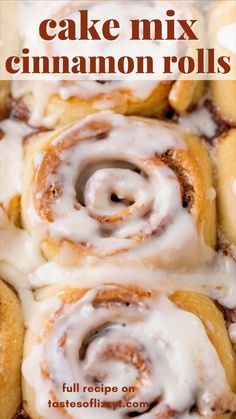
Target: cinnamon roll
[
  {"x": 222, "y": 30},
  {"x": 120, "y": 188},
  {"x": 166, "y": 356},
  {"x": 11, "y": 346},
  {"x": 59, "y": 102},
  {"x": 226, "y": 184}
]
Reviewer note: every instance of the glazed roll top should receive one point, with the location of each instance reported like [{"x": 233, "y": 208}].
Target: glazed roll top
[
  {"x": 173, "y": 352},
  {"x": 123, "y": 188},
  {"x": 226, "y": 185},
  {"x": 11, "y": 347},
  {"x": 60, "y": 102},
  {"x": 222, "y": 28}
]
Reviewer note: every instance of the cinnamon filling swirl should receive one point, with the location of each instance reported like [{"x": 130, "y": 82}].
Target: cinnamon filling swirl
[
  {"x": 111, "y": 184},
  {"x": 114, "y": 335}
]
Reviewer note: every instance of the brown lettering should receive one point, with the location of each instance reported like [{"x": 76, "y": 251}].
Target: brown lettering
[{"x": 43, "y": 29}]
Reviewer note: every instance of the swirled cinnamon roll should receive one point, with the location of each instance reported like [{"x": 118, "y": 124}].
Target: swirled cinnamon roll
[
  {"x": 11, "y": 346},
  {"x": 172, "y": 353},
  {"x": 226, "y": 184},
  {"x": 222, "y": 30},
  {"x": 124, "y": 188},
  {"x": 59, "y": 102}
]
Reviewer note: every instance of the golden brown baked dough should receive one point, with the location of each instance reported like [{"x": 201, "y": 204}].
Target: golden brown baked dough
[
  {"x": 226, "y": 184},
  {"x": 14, "y": 210},
  {"x": 185, "y": 94},
  {"x": 223, "y": 91},
  {"x": 11, "y": 346}
]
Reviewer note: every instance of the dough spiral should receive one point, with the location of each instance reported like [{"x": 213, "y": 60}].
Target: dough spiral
[
  {"x": 120, "y": 336},
  {"x": 127, "y": 189}
]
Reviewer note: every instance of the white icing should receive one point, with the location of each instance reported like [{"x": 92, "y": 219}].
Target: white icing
[
  {"x": 34, "y": 313},
  {"x": 100, "y": 168},
  {"x": 170, "y": 340},
  {"x": 28, "y": 305},
  {"x": 199, "y": 122},
  {"x": 226, "y": 37},
  {"x": 216, "y": 280},
  {"x": 11, "y": 159},
  {"x": 234, "y": 187},
  {"x": 211, "y": 194},
  {"x": 90, "y": 89},
  {"x": 38, "y": 158},
  {"x": 13, "y": 276},
  {"x": 17, "y": 248}
]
